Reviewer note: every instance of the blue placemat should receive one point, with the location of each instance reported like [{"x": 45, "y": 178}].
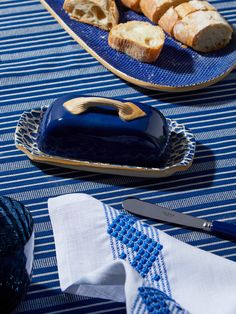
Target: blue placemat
[
  {"x": 40, "y": 62},
  {"x": 177, "y": 66}
]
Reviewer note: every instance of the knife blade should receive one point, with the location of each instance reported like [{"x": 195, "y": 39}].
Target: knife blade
[{"x": 153, "y": 211}]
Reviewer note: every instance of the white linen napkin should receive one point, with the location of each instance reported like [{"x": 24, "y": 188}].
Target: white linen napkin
[{"x": 106, "y": 253}]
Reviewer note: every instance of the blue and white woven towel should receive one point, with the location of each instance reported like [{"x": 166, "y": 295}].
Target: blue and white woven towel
[{"x": 110, "y": 254}]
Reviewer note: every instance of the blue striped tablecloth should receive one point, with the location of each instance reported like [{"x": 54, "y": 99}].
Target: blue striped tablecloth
[{"x": 39, "y": 62}]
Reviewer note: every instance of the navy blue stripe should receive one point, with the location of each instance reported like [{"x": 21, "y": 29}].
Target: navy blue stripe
[
  {"x": 29, "y": 24},
  {"x": 55, "y": 43},
  {"x": 16, "y": 4},
  {"x": 30, "y": 16},
  {"x": 53, "y": 67},
  {"x": 13, "y": 15},
  {"x": 50, "y": 94},
  {"x": 34, "y": 35}
]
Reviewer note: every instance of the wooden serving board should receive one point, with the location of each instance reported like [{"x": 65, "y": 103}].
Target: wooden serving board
[{"x": 178, "y": 68}]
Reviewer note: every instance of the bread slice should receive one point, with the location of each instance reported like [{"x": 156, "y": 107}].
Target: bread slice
[
  {"x": 204, "y": 31},
  {"x": 193, "y": 6},
  {"x": 132, "y": 4},
  {"x": 154, "y": 9},
  {"x": 100, "y": 13},
  {"x": 168, "y": 20},
  {"x": 173, "y": 15},
  {"x": 140, "y": 40}
]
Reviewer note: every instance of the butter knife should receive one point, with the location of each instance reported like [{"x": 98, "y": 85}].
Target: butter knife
[{"x": 138, "y": 207}]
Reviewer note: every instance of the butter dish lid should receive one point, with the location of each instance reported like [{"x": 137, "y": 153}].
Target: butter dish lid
[
  {"x": 100, "y": 119},
  {"x": 104, "y": 130}
]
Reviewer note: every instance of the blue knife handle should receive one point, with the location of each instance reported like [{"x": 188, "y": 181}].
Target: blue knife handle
[{"x": 224, "y": 228}]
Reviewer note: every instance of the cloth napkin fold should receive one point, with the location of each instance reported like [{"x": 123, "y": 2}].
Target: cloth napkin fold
[{"x": 107, "y": 253}]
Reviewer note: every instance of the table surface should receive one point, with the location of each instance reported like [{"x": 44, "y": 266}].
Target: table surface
[{"x": 39, "y": 62}]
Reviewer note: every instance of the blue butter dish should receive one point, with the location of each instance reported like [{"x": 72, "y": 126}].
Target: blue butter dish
[
  {"x": 104, "y": 130},
  {"x": 181, "y": 145}
]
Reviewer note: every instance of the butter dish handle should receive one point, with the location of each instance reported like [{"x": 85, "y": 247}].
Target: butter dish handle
[{"x": 127, "y": 111}]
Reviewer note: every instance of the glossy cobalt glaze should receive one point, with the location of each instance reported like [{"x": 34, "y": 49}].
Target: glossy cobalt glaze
[{"x": 100, "y": 135}]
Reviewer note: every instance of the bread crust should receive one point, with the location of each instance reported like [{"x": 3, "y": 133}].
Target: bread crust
[
  {"x": 112, "y": 8},
  {"x": 192, "y": 30},
  {"x": 168, "y": 20},
  {"x": 173, "y": 15},
  {"x": 133, "y": 48},
  {"x": 132, "y": 4},
  {"x": 154, "y": 9},
  {"x": 186, "y": 8},
  {"x": 108, "y": 7}
]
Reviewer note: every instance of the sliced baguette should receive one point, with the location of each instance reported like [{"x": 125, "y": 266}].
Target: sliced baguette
[
  {"x": 204, "y": 31},
  {"x": 132, "y": 4},
  {"x": 140, "y": 40},
  {"x": 100, "y": 13},
  {"x": 173, "y": 15},
  {"x": 192, "y": 6},
  {"x": 168, "y": 20},
  {"x": 154, "y": 9}
]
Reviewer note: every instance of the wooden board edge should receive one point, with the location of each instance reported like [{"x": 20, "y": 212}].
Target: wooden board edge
[{"x": 125, "y": 76}]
